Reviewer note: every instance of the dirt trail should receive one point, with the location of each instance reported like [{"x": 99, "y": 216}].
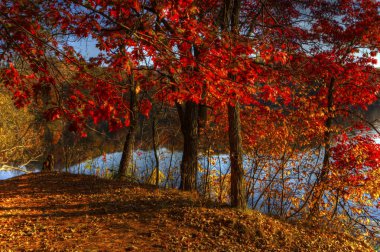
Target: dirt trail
[{"x": 65, "y": 212}]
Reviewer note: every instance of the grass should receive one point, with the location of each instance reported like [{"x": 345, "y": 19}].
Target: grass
[{"x": 66, "y": 212}]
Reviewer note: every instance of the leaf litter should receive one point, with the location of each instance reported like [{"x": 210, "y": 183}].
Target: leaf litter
[{"x": 67, "y": 212}]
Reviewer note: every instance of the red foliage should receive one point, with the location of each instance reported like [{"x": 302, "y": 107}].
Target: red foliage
[
  {"x": 355, "y": 158},
  {"x": 286, "y": 54}
]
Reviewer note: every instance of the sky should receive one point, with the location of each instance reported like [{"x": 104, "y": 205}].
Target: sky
[{"x": 86, "y": 46}]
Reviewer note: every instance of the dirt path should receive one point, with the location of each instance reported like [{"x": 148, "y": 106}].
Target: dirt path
[
  {"x": 71, "y": 212},
  {"x": 65, "y": 212}
]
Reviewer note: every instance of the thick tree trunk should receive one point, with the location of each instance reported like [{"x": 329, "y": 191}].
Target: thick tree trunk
[
  {"x": 189, "y": 125},
  {"x": 238, "y": 194},
  {"x": 125, "y": 167}
]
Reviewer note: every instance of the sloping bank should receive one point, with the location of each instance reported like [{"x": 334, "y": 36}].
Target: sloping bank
[{"x": 66, "y": 212}]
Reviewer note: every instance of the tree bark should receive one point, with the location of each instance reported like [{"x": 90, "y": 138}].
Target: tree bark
[
  {"x": 125, "y": 167},
  {"x": 48, "y": 165},
  {"x": 155, "y": 151},
  {"x": 238, "y": 195},
  {"x": 230, "y": 22},
  {"x": 189, "y": 125}
]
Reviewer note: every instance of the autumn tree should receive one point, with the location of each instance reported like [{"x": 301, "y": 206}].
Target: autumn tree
[
  {"x": 21, "y": 137},
  {"x": 343, "y": 78},
  {"x": 230, "y": 14},
  {"x": 289, "y": 77}
]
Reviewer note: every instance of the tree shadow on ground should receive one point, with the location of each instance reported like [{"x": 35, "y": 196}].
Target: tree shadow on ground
[{"x": 64, "y": 195}]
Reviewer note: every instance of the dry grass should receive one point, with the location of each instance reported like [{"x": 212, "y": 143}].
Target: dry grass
[{"x": 65, "y": 212}]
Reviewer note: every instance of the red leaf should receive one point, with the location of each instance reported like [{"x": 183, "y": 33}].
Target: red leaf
[{"x": 145, "y": 107}]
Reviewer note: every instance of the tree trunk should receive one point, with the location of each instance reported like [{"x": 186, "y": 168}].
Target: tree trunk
[
  {"x": 155, "y": 151},
  {"x": 125, "y": 167},
  {"x": 238, "y": 194},
  {"x": 319, "y": 188},
  {"x": 230, "y": 22},
  {"x": 48, "y": 165},
  {"x": 189, "y": 125}
]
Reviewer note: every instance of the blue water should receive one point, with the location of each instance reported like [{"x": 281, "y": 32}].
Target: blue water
[{"x": 10, "y": 174}]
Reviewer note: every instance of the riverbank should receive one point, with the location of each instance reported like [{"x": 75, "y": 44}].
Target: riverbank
[{"x": 61, "y": 211}]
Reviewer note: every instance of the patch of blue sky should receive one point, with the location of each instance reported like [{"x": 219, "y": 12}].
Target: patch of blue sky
[{"x": 86, "y": 47}]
